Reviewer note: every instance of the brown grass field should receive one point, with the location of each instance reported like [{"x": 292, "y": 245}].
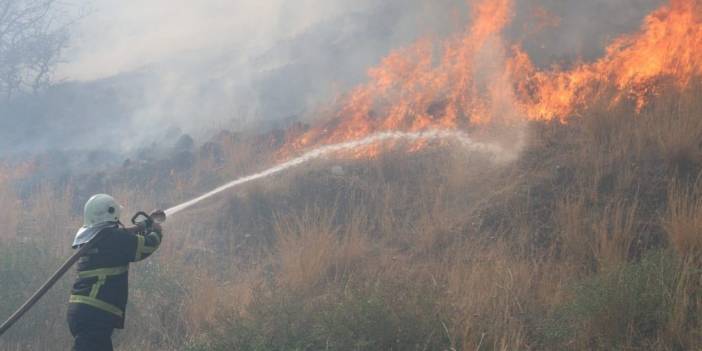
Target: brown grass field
[{"x": 590, "y": 240}]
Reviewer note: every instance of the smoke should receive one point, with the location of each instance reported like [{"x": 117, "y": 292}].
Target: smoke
[
  {"x": 119, "y": 37},
  {"x": 209, "y": 65},
  {"x": 563, "y": 31},
  {"x": 143, "y": 72}
]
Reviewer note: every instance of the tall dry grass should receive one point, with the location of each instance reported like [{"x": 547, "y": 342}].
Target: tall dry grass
[
  {"x": 9, "y": 211},
  {"x": 590, "y": 241},
  {"x": 683, "y": 225},
  {"x": 43, "y": 230}
]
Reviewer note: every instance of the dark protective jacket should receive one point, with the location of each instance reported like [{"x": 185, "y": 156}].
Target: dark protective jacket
[{"x": 101, "y": 288}]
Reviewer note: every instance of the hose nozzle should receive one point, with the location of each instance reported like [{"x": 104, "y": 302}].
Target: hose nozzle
[
  {"x": 158, "y": 216},
  {"x": 141, "y": 218}
]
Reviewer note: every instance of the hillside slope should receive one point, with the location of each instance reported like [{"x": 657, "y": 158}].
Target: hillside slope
[{"x": 590, "y": 240}]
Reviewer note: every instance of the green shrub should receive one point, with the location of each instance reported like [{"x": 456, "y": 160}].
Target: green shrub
[
  {"x": 382, "y": 317},
  {"x": 623, "y": 308}
]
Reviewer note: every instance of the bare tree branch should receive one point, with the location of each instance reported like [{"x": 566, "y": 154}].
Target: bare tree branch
[{"x": 31, "y": 41}]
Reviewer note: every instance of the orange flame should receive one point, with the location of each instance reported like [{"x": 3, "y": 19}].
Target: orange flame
[
  {"x": 668, "y": 45},
  {"x": 475, "y": 81}
]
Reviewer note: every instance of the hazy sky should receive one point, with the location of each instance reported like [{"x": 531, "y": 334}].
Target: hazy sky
[{"x": 120, "y": 36}]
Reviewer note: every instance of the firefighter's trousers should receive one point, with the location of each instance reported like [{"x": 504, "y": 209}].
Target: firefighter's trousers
[{"x": 89, "y": 334}]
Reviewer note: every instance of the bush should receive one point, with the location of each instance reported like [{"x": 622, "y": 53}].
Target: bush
[
  {"x": 379, "y": 317},
  {"x": 623, "y": 308}
]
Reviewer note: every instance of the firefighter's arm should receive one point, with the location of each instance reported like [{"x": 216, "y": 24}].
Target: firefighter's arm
[{"x": 147, "y": 241}]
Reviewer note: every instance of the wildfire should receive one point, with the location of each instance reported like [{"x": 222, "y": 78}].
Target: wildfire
[
  {"x": 669, "y": 45},
  {"x": 476, "y": 81}
]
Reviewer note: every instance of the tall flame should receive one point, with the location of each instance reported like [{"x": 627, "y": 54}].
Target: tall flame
[
  {"x": 475, "y": 81},
  {"x": 669, "y": 45}
]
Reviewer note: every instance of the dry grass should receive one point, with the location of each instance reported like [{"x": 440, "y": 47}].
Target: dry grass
[
  {"x": 614, "y": 235},
  {"x": 591, "y": 240},
  {"x": 683, "y": 224},
  {"x": 489, "y": 291},
  {"x": 9, "y": 212},
  {"x": 306, "y": 249},
  {"x": 683, "y": 221}
]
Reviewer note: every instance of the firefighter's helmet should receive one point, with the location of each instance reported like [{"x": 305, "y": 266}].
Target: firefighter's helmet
[{"x": 101, "y": 208}]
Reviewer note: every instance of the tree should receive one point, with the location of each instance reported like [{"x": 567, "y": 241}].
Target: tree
[{"x": 33, "y": 33}]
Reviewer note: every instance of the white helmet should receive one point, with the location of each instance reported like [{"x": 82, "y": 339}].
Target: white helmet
[{"x": 101, "y": 208}]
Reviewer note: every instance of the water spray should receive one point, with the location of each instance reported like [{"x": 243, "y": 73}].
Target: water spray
[
  {"x": 159, "y": 216},
  {"x": 462, "y": 138}
]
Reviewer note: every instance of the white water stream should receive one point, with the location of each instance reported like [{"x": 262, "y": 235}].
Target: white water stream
[{"x": 463, "y": 139}]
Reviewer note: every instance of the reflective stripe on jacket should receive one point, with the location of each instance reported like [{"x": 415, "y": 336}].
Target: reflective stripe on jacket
[{"x": 102, "y": 281}]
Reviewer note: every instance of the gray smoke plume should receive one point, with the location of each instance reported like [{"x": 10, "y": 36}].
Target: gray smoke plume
[{"x": 561, "y": 31}]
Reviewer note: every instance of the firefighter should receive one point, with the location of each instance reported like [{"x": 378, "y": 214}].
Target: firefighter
[{"x": 99, "y": 294}]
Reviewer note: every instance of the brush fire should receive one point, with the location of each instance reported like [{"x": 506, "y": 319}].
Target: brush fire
[
  {"x": 477, "y": 78},
  {"x": 474, "y": 193}
]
